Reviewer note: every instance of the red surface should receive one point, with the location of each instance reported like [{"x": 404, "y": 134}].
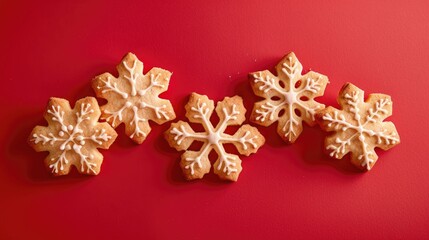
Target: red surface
[{"x": 284, "y": 191}]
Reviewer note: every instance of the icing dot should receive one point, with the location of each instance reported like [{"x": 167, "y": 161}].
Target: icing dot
[
  {"x": 213, "y": 138},
  {"x": 64, "y": 128},
  {"x": 70, "y": 127},
  {"x": 128, "y": 104},
  {"x": 362, "y": 138},
  {"x": 290, "y": 97},
  {"x": 61, "y": 133},
  {"x": 82, "y": 142}
]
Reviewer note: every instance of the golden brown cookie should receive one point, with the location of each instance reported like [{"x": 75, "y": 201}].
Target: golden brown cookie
[
  {"x": 288, "y": 97},
  {"x": 358, "y": 126},
  {"x": 132, "y": 98},
  {"x": 195, "y": 164},
  {"x": 73, "y": 136}
]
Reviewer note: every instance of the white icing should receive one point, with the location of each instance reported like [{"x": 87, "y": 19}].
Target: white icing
[
  {"x": 59, "y": 163},
  {"x": 181, "y": 134},
  {"x": 159, "y": 110},
  {"x": 313, "y": 85},
  {"x": 197, "y": 160},
  {"x": 289, "y": 128},
  {"x": 71, "y": 137},
  {"x": 202, "y": 112},
  {"x": 85, "y": 160},
  {"x": 268, "y": 109},
  {"x": 154, "y": 82},
  {"x": 117, "y": 115},
  {"x": 133, "y": 76},
  {"x": 136, "y": 120},
  {"x": 290, "y": 96},
  {"x": 338, "y": 122},
  {"x": 268, "y": 83},
  {"x": 291, "y": 70},
  {"x": 244, "y": 140},
  {"x": 214, "y": 138},
  {"x": 111, "y": 87},
  {"x": 229, "y": 166}
]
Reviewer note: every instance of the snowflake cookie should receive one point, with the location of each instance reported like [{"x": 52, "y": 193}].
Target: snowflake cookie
[
  {"x": 133, "y": 97},
  {"x": 231, "y": 112},
  {"x": 358, "y": 127},
  {"x": 73, "y": 136},
  {"x": 289, "y": 97}
]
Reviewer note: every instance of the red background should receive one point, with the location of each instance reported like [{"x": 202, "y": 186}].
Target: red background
[{"x": 284, "y": 191}]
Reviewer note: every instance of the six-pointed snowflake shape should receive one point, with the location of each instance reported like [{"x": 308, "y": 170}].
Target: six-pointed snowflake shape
[
  {"x": 359, "y": 126},
  {"x": 231, "y": 112},
  {"x": 133, "y": 97},
  {"x": 73, "y": 136},
  {"x": 289, "y": 97}
]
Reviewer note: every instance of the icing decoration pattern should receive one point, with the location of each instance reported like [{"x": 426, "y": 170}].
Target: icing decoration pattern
[
  {"x": 195, "y": 164},
  {"x": 288, "y": 97},
  {"x": 73, "y": 136},
  {"x": 133, "y": 97},
  {"x": 358, "y": 127}
]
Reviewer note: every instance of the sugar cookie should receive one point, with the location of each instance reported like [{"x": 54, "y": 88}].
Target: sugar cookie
[
  {"x": 73, "y": 136},
  {"x": 195, "y": 164},
  {"x": 358, "y": 126},
  {"x": 132, "y": 98},
  {"x": 289, "y": 97}
]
